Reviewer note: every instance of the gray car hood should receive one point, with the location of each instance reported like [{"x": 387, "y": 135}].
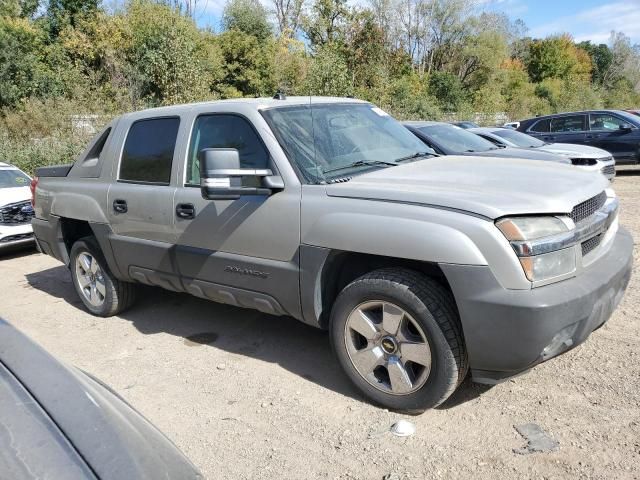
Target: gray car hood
[{"x": 491, "y": 187}]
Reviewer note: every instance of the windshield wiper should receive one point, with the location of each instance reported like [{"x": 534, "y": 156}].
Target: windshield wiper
[
  {"x": 361, "y": 163},
  {"x": 417, "y": 155}
]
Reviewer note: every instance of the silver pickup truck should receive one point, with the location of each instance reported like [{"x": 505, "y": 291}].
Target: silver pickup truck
[{"x": 328, "y": 210}]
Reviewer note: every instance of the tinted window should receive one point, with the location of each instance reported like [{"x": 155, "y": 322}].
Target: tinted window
[
  {"x": 13, "y": 178},
  {"x": 225, "y": 131},
  {"x": 605, "y": 121},
  {"x": 571, "y": 123},
  {"x": 455, "y": 139},
  {"x": 148, "y": 151},
  {"x": 543, "y": 126}
]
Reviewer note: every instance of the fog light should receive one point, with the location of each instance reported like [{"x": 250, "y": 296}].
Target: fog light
[{"x": 560, "y": 342}]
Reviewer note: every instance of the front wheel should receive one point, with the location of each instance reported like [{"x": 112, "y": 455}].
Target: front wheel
[
  {"x": 102, "y": 294},
  {"x": 397, "y": 335}
]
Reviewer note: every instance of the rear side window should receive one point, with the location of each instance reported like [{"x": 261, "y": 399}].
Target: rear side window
[
  {"x": 148, "y": 151},
  {"x": 543, "y": 126},
  {"x": 571, "y": 123}
]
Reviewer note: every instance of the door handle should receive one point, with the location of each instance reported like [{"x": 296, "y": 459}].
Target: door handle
[
  {"x": 185, "y": 210},
  {"x": 120, "y": 206}
]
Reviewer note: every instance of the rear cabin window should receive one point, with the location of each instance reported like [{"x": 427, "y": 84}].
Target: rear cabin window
[
  {"x": 572, "y": 123},
  {"x": 543, "y": 126},
  {"x": 148, "y": 151}
]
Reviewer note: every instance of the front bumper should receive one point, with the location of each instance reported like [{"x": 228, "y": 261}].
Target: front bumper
[
  {"x": 15, "y": 235},
  {"x": 510, "y": 331}
]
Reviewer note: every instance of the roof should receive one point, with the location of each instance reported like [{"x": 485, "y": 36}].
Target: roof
[
  {"x": 7, "y": 165},
  {"x": 581, "y": 112},
  {"x": 257, "y": 103}
]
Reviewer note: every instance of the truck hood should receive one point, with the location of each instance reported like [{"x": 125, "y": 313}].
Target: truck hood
[
  {"x": 491, "y": 187},
  {"x": 13, "y": 195},
  {"x": 575, "y": 151}
]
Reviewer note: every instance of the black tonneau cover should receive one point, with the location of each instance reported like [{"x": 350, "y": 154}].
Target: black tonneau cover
[{"x": 54, "y": 171}]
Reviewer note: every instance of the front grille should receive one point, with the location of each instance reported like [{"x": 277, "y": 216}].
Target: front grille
[
  {"x": 586, "y": 209},
  {"x": 15, "y": 238},
  {"x": 609, "y": 170},
  {"x": 591, "y": 244},
  {"x": 16, "y": 213},
  {"x": 583, "y": 162}
]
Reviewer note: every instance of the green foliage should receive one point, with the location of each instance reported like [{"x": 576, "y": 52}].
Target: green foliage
[
  {"x": 246, "y": 65},
  {"x": 601, "y": 59},
  {"x": 329, "y": 74},
  {"x": 556, "y": 57},
  {"x": 448, "y": 90},
  {"x": 248, "y": 16}
]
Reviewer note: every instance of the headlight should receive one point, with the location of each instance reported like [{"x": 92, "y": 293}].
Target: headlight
[
  {"x": 549, "y": 265},
  {"x": 530, "y": 228},
  {"x": 541, "y": 259}
]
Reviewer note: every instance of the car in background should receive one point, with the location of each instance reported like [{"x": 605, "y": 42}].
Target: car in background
[
  {"x": 61, "y": 423},
  {"x": 582, "y": 156},
  {"x": 16, "y": 210},
  {"x": 513, "y": 125},
  {"x": 465, "y": 124},
  {"x": 447, "y": 139},
  {"x": 615, "y": 131},
  {"x": 635, "y": 112}
]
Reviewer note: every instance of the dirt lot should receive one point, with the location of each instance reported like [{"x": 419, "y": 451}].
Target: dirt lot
[{"x": 254, "y": 396}]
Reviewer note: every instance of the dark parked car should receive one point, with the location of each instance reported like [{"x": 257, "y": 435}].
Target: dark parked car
[
  {"x": 447, "y": 139},
  {"x": 615, "y": 131},
  {"x": 60, "y": 423}
]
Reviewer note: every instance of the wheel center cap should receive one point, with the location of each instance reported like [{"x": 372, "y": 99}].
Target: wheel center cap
[{"x": 388, "y": 344}]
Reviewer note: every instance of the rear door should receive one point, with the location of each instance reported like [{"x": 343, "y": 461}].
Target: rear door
[
  {"x": 604, "y": 132},
  {"x": 140, "y": 201},
  {"x": 567, "y": 129}
]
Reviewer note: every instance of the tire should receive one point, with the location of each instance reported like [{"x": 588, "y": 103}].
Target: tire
[
  {"x": 101, "y": 293},
  {"x": 393, "y": 369}
]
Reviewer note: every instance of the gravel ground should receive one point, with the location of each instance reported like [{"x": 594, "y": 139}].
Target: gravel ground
[{"x": 246, "y": 395}]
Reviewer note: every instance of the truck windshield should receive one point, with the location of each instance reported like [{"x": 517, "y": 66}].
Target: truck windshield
[
  {"x": 334, "y": 140},
  {"x": 519, "y": 139},
  {"x": 10, "y": 178},
  {"x": 456, "y": 140}
]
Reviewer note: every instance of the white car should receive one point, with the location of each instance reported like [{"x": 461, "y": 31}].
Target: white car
[
  {"x": 16, "y": 211},
  {"x": 582, "y": 156}
]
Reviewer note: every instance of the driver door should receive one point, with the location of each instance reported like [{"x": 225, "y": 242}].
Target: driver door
[{"x": 244, "y": 251}]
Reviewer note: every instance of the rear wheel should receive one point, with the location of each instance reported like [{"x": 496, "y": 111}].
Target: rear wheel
[
  {"x": 102, "y": 294},
  {"x": 397, "y": 335}
]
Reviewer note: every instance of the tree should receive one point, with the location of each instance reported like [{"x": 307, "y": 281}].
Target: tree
[
  {"x": 247, "y": 16},
  {"x": 62, "y": 12},
  {"x": 601, "y": 59},
  {"x": 326, "y": 22},
  {"x": 329, "y": 74},
  {"x": 18, "y": 8},
  {"x": 447, "y": 89},
  {"x": 246, "y": 65},
  {"x": 288, "y": 16},
  {"x": 557, "y": 57}
]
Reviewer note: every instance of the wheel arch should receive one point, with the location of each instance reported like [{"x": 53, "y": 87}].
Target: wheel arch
[
  {"x": 325, "y": 272},
  {"x": 70, "y": 230}
]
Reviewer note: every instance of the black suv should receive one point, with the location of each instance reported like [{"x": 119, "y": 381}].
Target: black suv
[{"x": 616, "y": 131}]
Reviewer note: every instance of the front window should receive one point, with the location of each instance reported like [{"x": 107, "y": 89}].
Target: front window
[
  {"x": 519, "y": 139},
  {"x": 333, "y": 140},
  {"x": 605, "y": 121},
  {"x": 455, "y": 139},
  {"x": 13, "y": 178}
]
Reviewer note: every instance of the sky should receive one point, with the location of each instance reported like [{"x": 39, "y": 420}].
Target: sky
[{"x": 583, "y": 19}]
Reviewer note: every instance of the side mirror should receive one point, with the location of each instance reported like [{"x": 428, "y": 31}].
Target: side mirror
[
  {"x": 221, "y": 176},
  {"x": 625, "y": 127}
]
